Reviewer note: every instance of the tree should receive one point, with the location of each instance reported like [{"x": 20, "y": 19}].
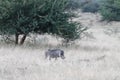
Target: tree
[
  {"x": 37, "y": 16},
  {"x": 110, "y": 10}
]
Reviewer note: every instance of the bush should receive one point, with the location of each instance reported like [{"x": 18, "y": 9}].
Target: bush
[
  {"x": 21, "y": 17},
  {"x": 110, "y": 10},
  {"x": 90, "y": 7},
  {"x": 73, "y": 4}
]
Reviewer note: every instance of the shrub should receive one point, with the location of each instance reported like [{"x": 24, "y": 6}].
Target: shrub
[
  {"x": 110, "y": 10},
  {"x": 90, "y": 7}
]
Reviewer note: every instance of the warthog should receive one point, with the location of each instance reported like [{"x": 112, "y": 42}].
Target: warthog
[{"x": 54, "y": 53}]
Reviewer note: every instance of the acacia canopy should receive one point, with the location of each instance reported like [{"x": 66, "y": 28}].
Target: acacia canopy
[{"x": 37, "y": 16}]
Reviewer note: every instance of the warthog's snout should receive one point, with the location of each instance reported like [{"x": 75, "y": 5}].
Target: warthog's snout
[
  {"x": 55, "y": 53},
  {"x": 62, "y": 55}
]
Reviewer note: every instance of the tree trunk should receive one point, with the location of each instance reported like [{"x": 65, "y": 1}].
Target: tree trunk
[
  {"x": 16, "y": 38},
  {"x": 23, "y": 39}
]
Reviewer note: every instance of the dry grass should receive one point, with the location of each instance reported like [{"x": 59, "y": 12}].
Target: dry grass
[{"x": 88, "y": 59}]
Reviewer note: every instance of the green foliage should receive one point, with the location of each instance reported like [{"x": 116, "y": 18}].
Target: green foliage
[
  {"x": 85, "y": 5},
  {"x": 110, "y": 10},
  {"x": 37, "y": 16},
  {"x": 73, "y": 4},
  {"x": 90, "y": 7}
]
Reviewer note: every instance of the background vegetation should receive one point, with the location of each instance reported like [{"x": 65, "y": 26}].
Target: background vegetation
[
  {"x": 91, "y": 6},
  {"x": 94, "y": 57},
  {"x": 110, "y": 10},
  {"x": 21, "y": 17},
  {"x": 86, "y": 5}
]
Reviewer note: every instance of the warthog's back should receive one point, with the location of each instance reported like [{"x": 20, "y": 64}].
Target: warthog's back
[{"x": 55, "y": 53}]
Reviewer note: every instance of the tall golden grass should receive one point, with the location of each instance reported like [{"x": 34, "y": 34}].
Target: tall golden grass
[{"x": 95, "y": 57}]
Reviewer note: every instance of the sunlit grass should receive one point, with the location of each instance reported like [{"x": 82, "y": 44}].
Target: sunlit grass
[{"x": 87, "y": 59}]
